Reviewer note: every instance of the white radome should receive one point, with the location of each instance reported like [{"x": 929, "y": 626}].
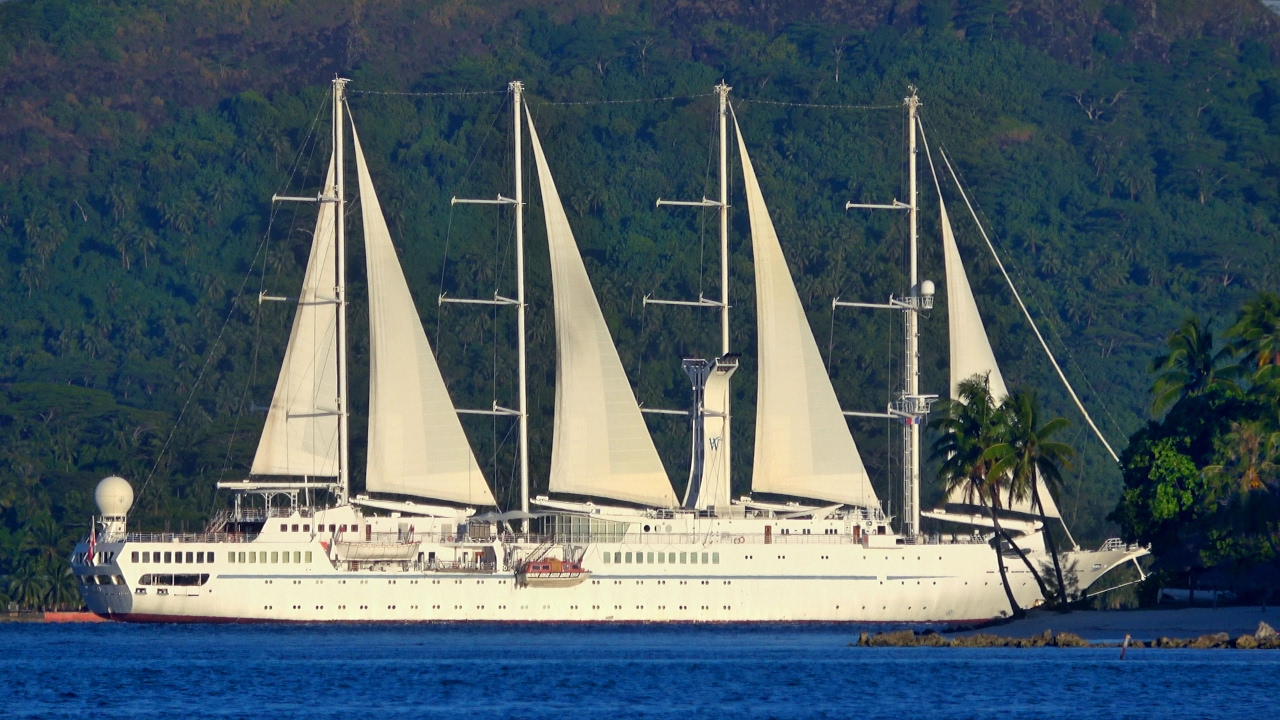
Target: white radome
[{"x": 114, "y": 496}]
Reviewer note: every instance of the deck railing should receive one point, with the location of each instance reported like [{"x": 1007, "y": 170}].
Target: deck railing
[
  {"x": 631, "y": 539},
  {"x": 219, "y": 537}
]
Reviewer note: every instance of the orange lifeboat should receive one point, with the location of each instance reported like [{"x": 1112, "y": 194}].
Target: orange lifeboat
[{"x": 551, "y": 573}]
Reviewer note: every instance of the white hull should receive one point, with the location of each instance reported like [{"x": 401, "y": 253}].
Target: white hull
[{"x": 795, "y": 577}]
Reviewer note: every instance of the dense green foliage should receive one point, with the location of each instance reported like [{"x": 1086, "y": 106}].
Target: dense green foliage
[
  {"x": 1128, "y": 181},
  {"x": 1203, "y": 482}
]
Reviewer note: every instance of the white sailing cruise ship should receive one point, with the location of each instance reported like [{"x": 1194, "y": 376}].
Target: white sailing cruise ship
[{"x": 297, "y": 547}]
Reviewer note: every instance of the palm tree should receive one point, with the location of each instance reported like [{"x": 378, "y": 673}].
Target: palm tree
[
  {"x": 28, "y": 583},
  {"x": 1256, "y": 339},
  {"x": 1027, "y": 456},
  {"x": 969, "y": 424},
  {"x": 1190, "y": 367},
  {"x": 44, "y": 539},
  {"x": 1252, "y": 456},
  {"x": 62, "y": 591}
]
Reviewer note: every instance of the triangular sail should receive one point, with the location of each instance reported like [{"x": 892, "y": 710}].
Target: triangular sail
[
  {"x": 803, "y": 444},
  {"x": 416, "y": 442},
  {"x": 971, "y": 352},
  {"x": 601, "y": 446},
  {"x": 300, "y": 437}
]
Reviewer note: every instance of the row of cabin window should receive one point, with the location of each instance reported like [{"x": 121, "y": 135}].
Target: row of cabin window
[
  {"x": 276, "y": 557},
  {"x": 179, "y": 579},
  {"x": 284, "y": 527},
  {"x": 173, "y": 557},
  {"x": 662, "y": 558}
]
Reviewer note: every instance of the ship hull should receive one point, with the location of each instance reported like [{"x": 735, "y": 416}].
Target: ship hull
[
  {"x": 655, "y": 569},
  {"x": 760, "y": 583}
]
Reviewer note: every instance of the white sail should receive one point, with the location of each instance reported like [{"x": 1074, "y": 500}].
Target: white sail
[
  {"x": 601, "y": 446},
  {"x": 970, "y": 349},
  {"x": 803, "y": 444},
  {"x": 971, "y": 353},
  {"x": 416, "y": 443},
  {"x": 301, "y": 432}
]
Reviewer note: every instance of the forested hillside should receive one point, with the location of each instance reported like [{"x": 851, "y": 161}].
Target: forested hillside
[{"x": 1125, "y": 154}]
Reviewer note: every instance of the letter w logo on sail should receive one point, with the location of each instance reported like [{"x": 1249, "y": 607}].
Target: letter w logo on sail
[{"x": 715, "y": 442}]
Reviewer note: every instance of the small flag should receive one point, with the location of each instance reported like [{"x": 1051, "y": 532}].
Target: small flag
[{"x": 93, "y": 545}]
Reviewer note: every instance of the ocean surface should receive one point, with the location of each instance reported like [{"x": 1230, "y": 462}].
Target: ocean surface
[{"x": 588, "y": 672}]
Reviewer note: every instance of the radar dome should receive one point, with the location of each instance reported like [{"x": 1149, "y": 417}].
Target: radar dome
[{"x": 114, "y": 496}]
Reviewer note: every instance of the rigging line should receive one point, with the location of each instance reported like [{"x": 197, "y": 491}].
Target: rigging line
[
  {"x": 1062, "y": 376},
  {"x": 1070, "y": 356},
  {"x": 294, "y": 169},
  {"x": 702, "y": 216},
  {"x": 535, "y": 101},
  {"x": 207, "y": 361},
  {"x": 444, "y": 263},
  {"x": 1053, "y": 327},
  {"x": 294, "y": 213},
  {"x": 265, "y": 250},
  {"x": 257, "y": 327},
  {"x": 831, "y": 342},
  {"x": 427, "y": 94},
  {"x": 820, "y": 105}
]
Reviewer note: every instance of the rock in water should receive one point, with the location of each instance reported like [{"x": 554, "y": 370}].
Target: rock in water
[
  {"x": 1246, "y": 642},
  {"x": 1066, "y": 639},
  {"x": 931, "y": 638},
  {"x": 901, "y": 638},
  {"x": 1264, "y": 631},
  {"x": 1210, "y": 641}
]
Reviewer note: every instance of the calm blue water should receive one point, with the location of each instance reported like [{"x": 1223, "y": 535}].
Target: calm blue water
[{"x": 357, "y": 672}]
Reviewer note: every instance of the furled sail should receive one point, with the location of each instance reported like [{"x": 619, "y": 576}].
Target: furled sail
[
  {"x": 601, "y": 446},
  {"x": 971, "y": 353},
  {"x": 301, "y": 432},
  {"x": 416, "y": 443},
  {"x": 803, "y": 444}
]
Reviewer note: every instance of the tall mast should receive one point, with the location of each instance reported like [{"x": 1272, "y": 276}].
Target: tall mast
[
  {"x": 521, "y": 411},
  {"x": 344, "y": 442},
  {"x": 517, "y": 102},
  {"x": 911, "y": 362},
  {"x": 723, "y": 91},
  {"x": 911, "y": 408},
  {"x": 704, "y": 491}
]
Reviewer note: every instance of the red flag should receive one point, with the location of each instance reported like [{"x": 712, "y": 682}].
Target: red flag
[{"x": 93, "y": 544}]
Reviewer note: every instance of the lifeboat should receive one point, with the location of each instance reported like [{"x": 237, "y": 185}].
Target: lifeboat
[{"x": 551, "y": 573}]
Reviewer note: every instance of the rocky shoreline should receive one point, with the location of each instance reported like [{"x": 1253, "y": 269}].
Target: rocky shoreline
[{"x": 1264, "y": 638}]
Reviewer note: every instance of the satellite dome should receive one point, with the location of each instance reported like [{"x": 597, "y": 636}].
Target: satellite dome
[{"x": 114, "y": 496}]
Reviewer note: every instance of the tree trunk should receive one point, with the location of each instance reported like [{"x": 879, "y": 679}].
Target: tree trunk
[
  {"x": 1063, "y": 604},
  {"x": 1004, "y": 576},
  {"x": 1044, "y": 589}
]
